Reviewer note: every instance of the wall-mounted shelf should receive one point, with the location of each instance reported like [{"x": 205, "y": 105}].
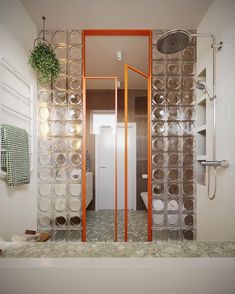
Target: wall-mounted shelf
[
  {"x": 201, "y": 157},
  {"x": 201, "y": 130}
]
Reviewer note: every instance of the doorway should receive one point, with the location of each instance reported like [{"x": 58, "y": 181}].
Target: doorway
[{"x": 124, "y": 182}]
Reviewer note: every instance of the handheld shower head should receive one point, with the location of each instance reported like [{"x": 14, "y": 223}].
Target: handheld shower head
[{"x": 201, "y": 85}]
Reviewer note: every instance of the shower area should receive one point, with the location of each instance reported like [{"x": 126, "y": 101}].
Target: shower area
[{"x": 166, "y": 175}]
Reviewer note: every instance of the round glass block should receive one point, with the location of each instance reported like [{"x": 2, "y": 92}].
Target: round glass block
[
  {"x": 173, "y": 98},
  {"x": 75, "y": 37},
  {"x": 75, "y": 83},
  {"x": 60, "y": 220},
  {"x": 60, "y": 189},
  {"x": 158, "y": 159},
  {"x": 173, "y": 144},
  {"x": 75, "y": 99},
  {"x": 44, "y": 204},
  {"x": 59, "y": 36},
  {"x": 59, "y": 129},
  {"x": 74, "y": 220},
  {"x": 60, "y": 83},
  {"x": 62, "y": 67},
  {"x": 188, "y": 204},
  {"x": 45, "y": 144},
  {"x": 44, "y": 221},
  {"x": 60, "y": 204},
  {"x": 173, "y": 68},
  {"x": 75, "y": 204},
  {"x": 75, "y": 174},
  {"x": 61, "y": 174},
  {"x": 59, "y": 236},
  {"x": 173, "y": 174},
  {"x": 159, "y": 129},
  {"x": 74, "y": 52},
  {"x": 60, "y": 145},
  {"x": 188, "y": 189},
  {"x": 44, "y": 129},
  {"x": 188, "y": 220},
  {"x": 75, "y": 159},
  {"x": 44, "y": 98},
  {"x": 74, "y": 113},
  {"x": 158, "y": 189},
  {"x": 60, "y": 159},
  {"x": 45, "y": 174},
  {"x": 158, "y": 219},
  {"x": 173, "y": 84},
  {"x": 158, "y": 98},
  {"x": 44, "y": 113},
  {"x": 158, "y": 144},
  {"x": 45, "y": 159},
  {"x": 188, "y": 235},
  {"x": 172, "y": 219},
  {"x": 158, "y": 204},
  {"x": 173, "y": 205},
  {"x": 60, "y": 98},
  {"x": 173, "y": 158},
  {"x": 159, "y": 83},
  {"x": 60, "y": 113},
  {"x": 75, "y": 189},
  {"x": 44, "y": 189},
  {"x": 60, "y": 52},
  {"x": 188, "y": 174},
  {"x": 74, "y": 129},
  {"x": 75, "y": 144},
  {"x": 158, "y": 174},
  {"x": 159, "y": 113},
  {"x": 75, "y": 67},
  {"x": 173, "y": 190},
  {"x": 188, "y": 159}
]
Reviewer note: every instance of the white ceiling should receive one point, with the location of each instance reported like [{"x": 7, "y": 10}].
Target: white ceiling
[
  {"x": 101, "y": 59},
  {"x": 149, "y": 14}
]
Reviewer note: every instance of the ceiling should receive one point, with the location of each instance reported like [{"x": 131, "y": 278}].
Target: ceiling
[
  {"x": 101, "y": 59},
  {"x": 148, "y": 14}
]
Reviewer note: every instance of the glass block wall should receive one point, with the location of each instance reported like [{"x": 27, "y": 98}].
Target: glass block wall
[
  {"x": 173, "y": 143},
  {"x": 60, "y": 140}
]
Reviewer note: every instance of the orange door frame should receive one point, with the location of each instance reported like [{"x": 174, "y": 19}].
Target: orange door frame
[{"x": 120, "y": 32}]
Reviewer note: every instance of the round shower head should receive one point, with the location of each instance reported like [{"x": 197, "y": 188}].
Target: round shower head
[{"x": 173, "y": 41}]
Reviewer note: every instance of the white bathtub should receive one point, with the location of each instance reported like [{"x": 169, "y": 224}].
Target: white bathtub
[{"x": 117, "y": 275}]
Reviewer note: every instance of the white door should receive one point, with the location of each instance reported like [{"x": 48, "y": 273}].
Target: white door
[{"x": 105, "y": 167}]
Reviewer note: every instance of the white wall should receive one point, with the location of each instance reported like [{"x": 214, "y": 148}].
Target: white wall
[
  {"x": 216, "y": 218},
  {"x": 18, "y": 206}
]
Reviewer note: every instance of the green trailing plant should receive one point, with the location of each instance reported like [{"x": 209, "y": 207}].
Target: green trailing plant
[{"x": 43, "y": 59}]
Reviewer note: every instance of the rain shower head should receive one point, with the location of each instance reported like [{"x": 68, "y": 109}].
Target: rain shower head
[
  {"x": 201, "y": 85},
  {"x": 173, "y": 41}
]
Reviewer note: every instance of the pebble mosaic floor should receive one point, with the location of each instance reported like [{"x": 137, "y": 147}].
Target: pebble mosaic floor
[{"x": 100, "y": 225}]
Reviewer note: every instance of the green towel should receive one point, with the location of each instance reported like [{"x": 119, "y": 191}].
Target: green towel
[{"x": 15, "y": 155}]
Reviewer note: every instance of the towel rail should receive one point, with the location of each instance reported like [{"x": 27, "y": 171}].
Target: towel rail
[{"x": 27, "y": 99}]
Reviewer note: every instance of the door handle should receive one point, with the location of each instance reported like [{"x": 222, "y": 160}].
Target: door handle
[{"x": 103, "y": 167}]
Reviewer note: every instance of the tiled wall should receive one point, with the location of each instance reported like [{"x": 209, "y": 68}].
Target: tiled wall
[
  {"x": 173, "y": 143},
  {"x": 59, "y": 142}
]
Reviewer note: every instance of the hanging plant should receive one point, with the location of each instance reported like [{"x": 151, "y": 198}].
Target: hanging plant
[{"x": 43, "y": 59}]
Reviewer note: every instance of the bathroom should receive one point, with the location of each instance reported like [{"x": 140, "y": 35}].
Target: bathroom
[{"x": 167, "y": 177}]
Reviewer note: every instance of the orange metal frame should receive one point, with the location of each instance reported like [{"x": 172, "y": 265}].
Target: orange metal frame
[{"x": 147, "y": 33}]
